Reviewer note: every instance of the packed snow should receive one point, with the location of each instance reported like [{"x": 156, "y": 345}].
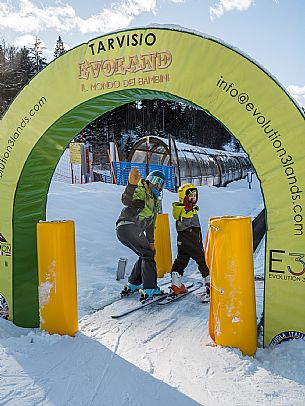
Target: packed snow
[{"x": 160, "y": 355}]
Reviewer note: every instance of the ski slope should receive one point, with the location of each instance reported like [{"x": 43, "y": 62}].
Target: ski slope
[{"x": 160, "y": 355}]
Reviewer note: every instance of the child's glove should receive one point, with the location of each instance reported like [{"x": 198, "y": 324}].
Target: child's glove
[{"x": 134, "y": 176}]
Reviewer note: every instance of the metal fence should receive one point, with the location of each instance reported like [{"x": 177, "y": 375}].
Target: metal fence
[{"x": 122, "y": 169}]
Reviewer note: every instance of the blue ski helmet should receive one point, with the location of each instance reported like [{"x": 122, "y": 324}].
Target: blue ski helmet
[{"x": 157, "y": 181}]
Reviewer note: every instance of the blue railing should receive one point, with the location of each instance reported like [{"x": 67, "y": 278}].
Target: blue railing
[{"x": 122, "y": 169}]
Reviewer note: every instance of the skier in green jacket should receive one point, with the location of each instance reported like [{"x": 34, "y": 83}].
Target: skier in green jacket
[{"x": 135, "y": 229}]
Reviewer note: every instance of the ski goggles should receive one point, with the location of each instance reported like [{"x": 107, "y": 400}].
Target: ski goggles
[{"x": 156, "y": 181}]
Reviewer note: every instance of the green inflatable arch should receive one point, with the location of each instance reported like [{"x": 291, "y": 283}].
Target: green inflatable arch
[{"x": 155, "y": 63}]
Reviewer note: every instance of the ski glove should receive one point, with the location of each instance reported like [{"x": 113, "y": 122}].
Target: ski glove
[{"x": 134, "y": 176}]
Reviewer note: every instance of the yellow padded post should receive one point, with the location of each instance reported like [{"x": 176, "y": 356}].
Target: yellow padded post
[
  {"x": 232, "y": 320},
  {"x": 57, "y": 277},
  {"x": 208, "y": 247},
  {"x": 163, "y": 248}
]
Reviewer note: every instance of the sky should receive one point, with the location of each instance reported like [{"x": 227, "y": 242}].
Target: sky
[{"x": 269, "y": 31}]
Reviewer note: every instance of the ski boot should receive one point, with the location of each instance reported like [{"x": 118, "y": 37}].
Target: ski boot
[
  {"x": 130, "y": 288},
  {"x": 147, "y": 294},
  {"x": 177, "y": 287}
]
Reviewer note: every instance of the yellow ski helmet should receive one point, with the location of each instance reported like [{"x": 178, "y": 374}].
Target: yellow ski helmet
[{"x": 185, "y": 190}]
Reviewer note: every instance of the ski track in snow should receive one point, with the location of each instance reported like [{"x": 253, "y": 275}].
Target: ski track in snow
[{"x": 159, "y": 355}]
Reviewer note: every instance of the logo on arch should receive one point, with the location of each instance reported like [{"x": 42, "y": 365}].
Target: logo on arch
[
  {"x": 5, "y": 247},
  {"x": 295, "y": 268},
  {"x": 287, "y": 336}
]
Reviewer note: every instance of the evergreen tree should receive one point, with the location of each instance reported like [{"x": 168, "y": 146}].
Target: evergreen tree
[
  {"x": 26, "y": 68},
  {"x": 17, "y": 67},
  {"x": 36, "y": 55},
  {"x": 185, "y": 123},
  {"x": 59, "y": 48},
  {"x": 9, "y": 81},
  {"x": 128, "y": 146}
]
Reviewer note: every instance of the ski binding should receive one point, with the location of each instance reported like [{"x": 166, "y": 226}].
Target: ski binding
[{"x": 171, "y": 297}]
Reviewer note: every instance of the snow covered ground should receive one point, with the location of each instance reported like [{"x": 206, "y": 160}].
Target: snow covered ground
[{"x": 159, "y": 355}]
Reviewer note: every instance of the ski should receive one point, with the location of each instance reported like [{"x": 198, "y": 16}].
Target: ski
[
  {"x": 107, "y": 302},
  {"x": 156, "y": 299},
  {"x": 171, "y": 297},
  {"x": 139, "y": 306}
]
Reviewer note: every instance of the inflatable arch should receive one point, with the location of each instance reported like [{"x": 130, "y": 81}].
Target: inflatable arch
[{"x": 155, "y": 63}]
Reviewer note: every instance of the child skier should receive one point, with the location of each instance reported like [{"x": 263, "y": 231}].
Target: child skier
[
  {"x": 135, "y": 229},
  {"x": 189, "y": 239}
]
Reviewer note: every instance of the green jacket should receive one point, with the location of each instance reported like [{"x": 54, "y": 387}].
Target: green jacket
[
  {"x": 141, "y": 208},
  {"x": 179, "y": 212},
  {"x": 185, "y": 219}
]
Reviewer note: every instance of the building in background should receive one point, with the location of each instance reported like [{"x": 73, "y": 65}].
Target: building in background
[{"x": 193, "y": 164}]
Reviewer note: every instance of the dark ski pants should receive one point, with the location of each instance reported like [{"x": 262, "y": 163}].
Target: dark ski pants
[
  {"x": 144, "y": 270},
  {"x": 189, "y": 243}
]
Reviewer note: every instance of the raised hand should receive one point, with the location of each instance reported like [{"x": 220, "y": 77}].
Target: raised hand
[{"x": 134, "y": 176}]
